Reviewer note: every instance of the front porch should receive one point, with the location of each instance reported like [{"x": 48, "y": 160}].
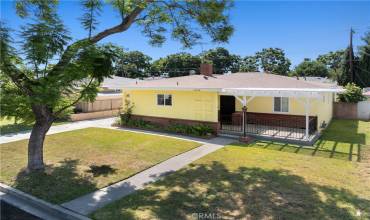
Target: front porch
[
  {"x": 266, "y": 122},
  {"x": 276, "y": 129}
]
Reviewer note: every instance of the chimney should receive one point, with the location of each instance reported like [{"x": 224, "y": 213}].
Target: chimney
[{"x": 206, "y": 69}]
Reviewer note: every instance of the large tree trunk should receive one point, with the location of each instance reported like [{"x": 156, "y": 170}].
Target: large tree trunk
[{"x": 44, "y": 119}]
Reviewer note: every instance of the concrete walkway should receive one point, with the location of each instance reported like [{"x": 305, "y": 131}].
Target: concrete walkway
[
  {"x": 95, "y": 200},
  {"x": 106, "y": 122}
]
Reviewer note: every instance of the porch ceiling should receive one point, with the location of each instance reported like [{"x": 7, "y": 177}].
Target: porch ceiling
[{"x": 276, "y": 92}]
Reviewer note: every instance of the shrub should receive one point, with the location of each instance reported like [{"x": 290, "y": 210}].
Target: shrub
[
  {"x": 352, "y": 94},
  {"x": 127, "y": 110},
  {"x": 196, "y": 130}
]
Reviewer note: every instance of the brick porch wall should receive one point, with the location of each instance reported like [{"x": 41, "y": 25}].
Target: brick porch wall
[{"x": 167, "y": 121}]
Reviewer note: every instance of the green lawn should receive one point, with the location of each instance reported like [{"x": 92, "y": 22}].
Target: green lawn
[
  {"x": 264, "y": 180},
  {"x": 8, "y": 125},
  {"x": 344, "y": 139},
  {"x": 85, "y": 160}
]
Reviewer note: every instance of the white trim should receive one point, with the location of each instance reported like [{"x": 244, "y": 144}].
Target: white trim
[
  {"x": 173, "y": 89},
  {"x": 241, "y": 91},
  {"x": 273, "y": 93},
  {"x": 242, "y": 101},
  {"x": 250, "y": 99},
  {"x": 286, "y": 89}
]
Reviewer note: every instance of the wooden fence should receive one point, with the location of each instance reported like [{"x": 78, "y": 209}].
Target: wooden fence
[
  {"x": 102, "y": 107},
  {"x": 343, "y": 110},
  {"x": 100, "y": 104}
]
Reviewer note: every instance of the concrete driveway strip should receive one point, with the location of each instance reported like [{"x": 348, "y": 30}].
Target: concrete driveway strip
[
  {"x": 95, "y": 200},
  {"x": 106, "y": 122}
]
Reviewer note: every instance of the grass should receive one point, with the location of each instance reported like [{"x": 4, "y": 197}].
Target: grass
[
  {"x": 257, "y": 182},
  {"x": 8, "y": 126},
  {"x": 344, "y": 139},
  {"x": 82, "y": 161}
]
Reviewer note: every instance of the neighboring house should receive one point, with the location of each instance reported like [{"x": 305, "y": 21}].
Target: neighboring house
[
  {"x": 274, "y": 106},
  {"x": 116, "y": 83},
  {"x": 318, "y": 79}
]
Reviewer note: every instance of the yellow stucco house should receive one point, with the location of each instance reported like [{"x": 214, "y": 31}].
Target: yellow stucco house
[{"x": 259, "y": 104}]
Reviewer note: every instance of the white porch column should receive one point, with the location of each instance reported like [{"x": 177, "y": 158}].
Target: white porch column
[
  {"x": 307, "y": 113},
  {"x": 244, "y": 101}
]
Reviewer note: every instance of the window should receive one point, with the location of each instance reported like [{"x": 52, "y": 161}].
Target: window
[
  {"x": 164, "y": 100},
  {"x": 281, "y": 104}
]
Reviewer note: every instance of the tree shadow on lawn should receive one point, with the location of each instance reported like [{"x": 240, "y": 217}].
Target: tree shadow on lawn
[
  {"x": 245, "y": 193},
  {"x": 341, "y": 140},
  {"x": 57, "y": 184},
  {"x": 102, "y": 170},
  {"x": 329, "y": 151}
]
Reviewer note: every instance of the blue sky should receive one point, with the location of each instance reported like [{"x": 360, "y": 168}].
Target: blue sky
[{"x": 304, "y": 29}]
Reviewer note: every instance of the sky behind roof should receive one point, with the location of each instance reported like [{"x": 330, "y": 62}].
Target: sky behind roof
[{"x": 304, "y": 29}]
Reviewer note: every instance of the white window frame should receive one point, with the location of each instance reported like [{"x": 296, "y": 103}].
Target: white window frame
[
  {"x": 281, "y": 104},
  {"x": 165, "y": 96}
]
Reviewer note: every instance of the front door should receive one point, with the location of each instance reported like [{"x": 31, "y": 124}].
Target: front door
[{"x": 227, "y": 105}]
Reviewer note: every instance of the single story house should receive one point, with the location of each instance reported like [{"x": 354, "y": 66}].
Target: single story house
[{"x": 254, "y": 103}]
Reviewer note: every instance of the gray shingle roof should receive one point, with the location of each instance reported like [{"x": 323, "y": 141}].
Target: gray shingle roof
[{"x": 235, "y": 80}]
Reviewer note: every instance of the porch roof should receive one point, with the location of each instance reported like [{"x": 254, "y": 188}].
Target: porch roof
[{"x": 276, "y": 92}]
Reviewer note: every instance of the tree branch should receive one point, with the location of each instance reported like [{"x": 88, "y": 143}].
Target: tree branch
[
  {"x": 125, "y": 24},
  {"x": 74, "y": 102},
  {"x": 72, "y": 49}
]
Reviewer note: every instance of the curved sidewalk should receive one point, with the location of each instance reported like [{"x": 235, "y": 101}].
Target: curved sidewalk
[{"x": 106, "y": 122}]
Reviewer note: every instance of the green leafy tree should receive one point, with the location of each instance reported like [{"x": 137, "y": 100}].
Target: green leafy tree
[
  {"x": 56, "y": 72},
  {"x": 222, "y": 60},
  {"x": 92, "y": 9},
  {"x": 311, "y": 68},
  {"x": 180, "y": 64},
  {"x": 133, "y": 64},
  {"x": 333, "y": 61},
  {"x": 273, "y": 60},
  {"x": 352, "y": 94},
  {"x": 364, "y": 66},
  {"x": 345, "y": 76},
  {"x": 249, "y": 64},
  {"x": 157, "y": 67}
]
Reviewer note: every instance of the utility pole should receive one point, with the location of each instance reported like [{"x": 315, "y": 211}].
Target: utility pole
[{"x": 351, "y": 55}]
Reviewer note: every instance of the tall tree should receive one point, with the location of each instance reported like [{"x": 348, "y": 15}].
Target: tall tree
[
  {"x": 273, "y": 60},
  {"x": 249, "y": 64},
  {"x": 364, "y": 66},
  {"x": 57, "y": 73},
  {"x": 333, "y": 61},
  {"x": 222, "y": 60},
  {"x": 157, "y": 67},
  {"x": 133, "y": 64},
  {"x": 180, "y": 64},
  {"x": 346, "y": 76},
  {"x": 311, "y": 68}
]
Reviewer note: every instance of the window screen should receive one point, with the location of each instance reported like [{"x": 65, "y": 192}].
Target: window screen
[
  {"x": 281, "y": 104},
  {"x": 160, "y": 99},
  {"x": 164, "y": 100}
]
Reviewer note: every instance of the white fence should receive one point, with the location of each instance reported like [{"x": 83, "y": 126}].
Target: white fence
[{"x": 363, "y": 110}]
